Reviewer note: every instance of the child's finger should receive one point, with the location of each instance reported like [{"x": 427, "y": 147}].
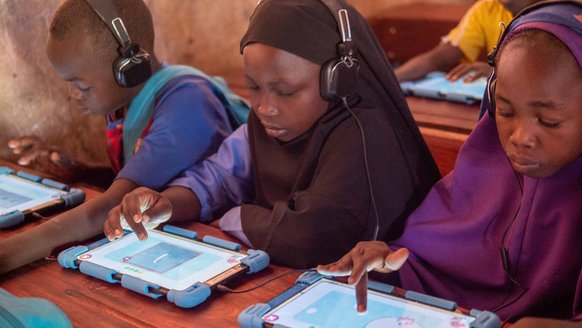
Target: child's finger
[
  {"x": 57, "y": 158},
  {"x": 112, "y": 226},
  {"x": 394, "y": 260},
  {"x": 159, "y": 212},
  {"x": 362, "y": 263},
  {"x": 454, "y": 73},
  {"x": 109, "y": 231},
  {"x": 23, "y": 142},
  {"x": 153, "y": 206},
  {"x": 32, "y": 156},
  {"x": 138, "y": 229},
  {"x": 131, "y": 208},
  {"x": 342, "y": 267},
  {"x": 362, "y": 294},
  {"x": 65, "y": 162}
]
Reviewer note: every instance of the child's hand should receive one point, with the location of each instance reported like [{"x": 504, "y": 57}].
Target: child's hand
[
  {"x": 471, "y": 71},
  {"x": 35, "y": 152},
  {"x": 366, "y": 256},
  {"x": 140, "y": 207}
]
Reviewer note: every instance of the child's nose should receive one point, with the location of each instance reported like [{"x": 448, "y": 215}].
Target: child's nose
[
  {"x": 266, "y": 106},
  {"x": 75, "y": 93},
  {"x": 522, "y": 136},
  {"x": 265, "y": 110}
]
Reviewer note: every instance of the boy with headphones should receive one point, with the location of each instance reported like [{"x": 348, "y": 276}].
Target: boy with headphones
[
  {"x": 330, "y": 156},
  {"x": 160, "y": 119},
  {"x": 502, "y": 231}
]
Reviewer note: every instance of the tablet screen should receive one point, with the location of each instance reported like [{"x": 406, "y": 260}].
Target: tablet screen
[
  {"x": 20, "y": 194},
  {"x": 164, "y": 259},
  {"x": 331, "y": 304}
]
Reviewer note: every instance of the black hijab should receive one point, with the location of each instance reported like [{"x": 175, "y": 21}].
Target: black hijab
[
  {"x": 312, "y": 201},
  {"x": 307, "y": 29}
]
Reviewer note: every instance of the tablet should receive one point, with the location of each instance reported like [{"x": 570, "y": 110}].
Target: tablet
[
  {"x": 22, "y": 193},
  {"x": 435, "y": 85},
  {"x": 166, "y": 263},
  {"x": 329, "y": 303}
]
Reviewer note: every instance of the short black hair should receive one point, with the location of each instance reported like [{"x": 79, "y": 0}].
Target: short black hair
[{"x": 75, "y": 18}]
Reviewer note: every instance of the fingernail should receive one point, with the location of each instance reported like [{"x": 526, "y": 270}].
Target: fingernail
[
  {"x": 117, "y": 232},
  {"x": 362, "y": 309},
  {"x": 136, "y": 218},
  {"x": 145, "y": 218}
]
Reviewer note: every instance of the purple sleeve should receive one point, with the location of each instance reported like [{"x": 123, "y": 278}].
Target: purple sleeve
[
  {"x": 189, "y": 124},
  {"x": 231, "y": 223},
  {"x": 223, "y": 180}
]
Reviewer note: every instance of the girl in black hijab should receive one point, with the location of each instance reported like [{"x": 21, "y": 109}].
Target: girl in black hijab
[{"x": 309, "y": 176}]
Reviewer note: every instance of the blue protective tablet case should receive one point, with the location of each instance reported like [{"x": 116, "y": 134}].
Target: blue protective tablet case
[
  {"x": 436, "y": 86},
  {"x": 189, "y": 297},
  {"x": 69, "y": 197},
  {"x": 252, "y": 317}
]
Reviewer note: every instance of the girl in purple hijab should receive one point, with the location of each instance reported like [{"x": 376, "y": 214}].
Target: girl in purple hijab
[{"x": 503, "y": 231}]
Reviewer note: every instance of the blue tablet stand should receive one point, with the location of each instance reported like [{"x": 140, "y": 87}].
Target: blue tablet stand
[
  {"x": 190, "y": 297},
  {"x": 70, "y": 198},
  {"x": 251, "y": 317},
  {"x": 436, "y": 86}
]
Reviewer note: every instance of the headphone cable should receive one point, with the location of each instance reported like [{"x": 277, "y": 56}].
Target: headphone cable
[
  {"x": 225, "y": 289},
  {"x": 363, "y": 137},
  {"x": 505, "y": 254}
]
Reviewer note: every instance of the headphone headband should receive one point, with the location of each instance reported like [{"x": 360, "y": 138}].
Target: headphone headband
[
  {"x": 132, "y": 67},
  {"x": 343, "y": 22},
  {"x": 109, "y": 15},
  {"x": 339, "y": 76},
  {"x": 522, "y": 18}
]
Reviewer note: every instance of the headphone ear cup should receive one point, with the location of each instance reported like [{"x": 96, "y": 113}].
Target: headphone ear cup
[
  {"x": 133, "y": 70},
  {"x": 338, "y": 79},
  {"x": 491, "y": 95}
]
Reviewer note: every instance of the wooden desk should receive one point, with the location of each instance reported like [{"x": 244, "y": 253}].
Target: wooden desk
[
  {"x": 408, "y": 30},
  {"x": 32, "y": 222},
  {"x": 444, "y": 115},
  {"x": 444, "y": 126},
  {"x": 90, "y": 302}
]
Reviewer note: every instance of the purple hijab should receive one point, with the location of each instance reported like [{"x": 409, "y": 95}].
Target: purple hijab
[{"x": 455, "y": 235}]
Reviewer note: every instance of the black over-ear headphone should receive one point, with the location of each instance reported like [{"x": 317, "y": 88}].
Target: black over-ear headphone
[
  {"x": 492, "y": 56},
  {"x": 132, "y": 67},
  {"x": 339, "y": 76}
]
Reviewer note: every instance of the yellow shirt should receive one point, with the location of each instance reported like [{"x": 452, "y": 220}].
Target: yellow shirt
[{"x": 479, "y": 29}]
